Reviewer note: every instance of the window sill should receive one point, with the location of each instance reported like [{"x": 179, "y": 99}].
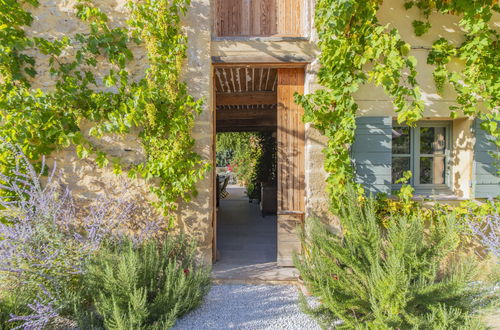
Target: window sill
[
  {"x": 434, "y": 198},
  {"x": 437, "y": 197},
  {"x": 434, "y": 195}
]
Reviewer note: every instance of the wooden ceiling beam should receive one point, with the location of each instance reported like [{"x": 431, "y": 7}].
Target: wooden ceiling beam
[
  {"x": 246, "y": 98},
  {"x": 243, "y": 114},
  {"x": 247, "y": 122},
  {"x": 246, "y": 129}
]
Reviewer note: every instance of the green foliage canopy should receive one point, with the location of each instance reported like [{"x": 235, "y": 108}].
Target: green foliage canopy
[
  {"x": 476, "y": 83},
  {"x": 253, "y": 156},
  {"x": 356, "y": 49},
  {"x": 245, "y": 151},
  {"x": 159, "y": 104}
]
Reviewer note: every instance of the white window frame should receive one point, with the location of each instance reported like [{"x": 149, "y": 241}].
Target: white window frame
[{"x": 415, "y": 156}]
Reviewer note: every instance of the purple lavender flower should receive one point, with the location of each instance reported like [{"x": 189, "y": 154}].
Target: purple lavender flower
[
  {"x": 43, "y": 313},
  {"x": 488, "y": 232},
  {"x": 44, "y": 244}
]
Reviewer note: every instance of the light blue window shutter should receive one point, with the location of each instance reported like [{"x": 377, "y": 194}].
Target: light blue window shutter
[
  {"x": 486, "y": 180},
  {"x": 372, "y": 153}
]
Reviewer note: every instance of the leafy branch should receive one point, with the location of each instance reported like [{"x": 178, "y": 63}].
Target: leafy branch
[
  {"x": 159, "y": 104},
  {"x": 356, "y": 50}
]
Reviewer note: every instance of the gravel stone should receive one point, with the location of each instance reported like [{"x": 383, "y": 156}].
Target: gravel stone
[{"x": 239, "y": 306}]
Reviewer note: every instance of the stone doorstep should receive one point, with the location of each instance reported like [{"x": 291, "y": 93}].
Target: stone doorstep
[
  {"x": 252, "y": 281},
  {"x": 263, "y": 272}
]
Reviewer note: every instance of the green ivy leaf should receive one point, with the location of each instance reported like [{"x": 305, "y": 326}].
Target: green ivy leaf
[{"x": 420, "y": 27}]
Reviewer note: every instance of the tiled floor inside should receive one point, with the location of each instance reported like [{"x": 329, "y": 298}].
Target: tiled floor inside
[{"x": 246, "y": 241}]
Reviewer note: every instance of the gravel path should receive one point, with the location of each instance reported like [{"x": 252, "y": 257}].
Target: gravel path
[{"x": 249, "y": 307}]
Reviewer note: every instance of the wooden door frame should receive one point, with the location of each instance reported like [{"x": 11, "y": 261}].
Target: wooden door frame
[
  {"x": 291, "y": 164},
  {"x": 214, "y": 171},
  {"x": 295, "y": 215}
]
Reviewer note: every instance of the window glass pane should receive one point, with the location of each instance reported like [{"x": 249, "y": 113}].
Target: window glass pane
[
  {"x": 399, "y": 165},
  {"x": 432, "y": 140},
  {"x": 432, "y": 170},
  {"x": 401, "y": 140}
]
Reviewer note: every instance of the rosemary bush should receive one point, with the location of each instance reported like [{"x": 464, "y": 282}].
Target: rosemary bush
[
  {"x": 405, "y": 275},
  {"x": 145, "y": 286}
]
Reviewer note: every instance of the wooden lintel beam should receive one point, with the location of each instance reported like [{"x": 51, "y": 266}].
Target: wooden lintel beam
[
  {"x": 245, "y": 98},
  {"x": 260, "y": 62}
]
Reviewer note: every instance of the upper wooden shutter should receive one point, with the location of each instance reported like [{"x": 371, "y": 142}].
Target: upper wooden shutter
[
  {"x": 372, "y": 153},
  {"x": 289, "y": 18},
  {"x": 258, "y": 18},
  {"x": 486, "y": 179}
]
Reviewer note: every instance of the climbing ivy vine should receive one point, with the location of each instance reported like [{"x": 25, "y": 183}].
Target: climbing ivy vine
[
  {"x": 158, "y": 104},
  {"x": 356, "y": 49},
  {"x": 476, "y": 83}
]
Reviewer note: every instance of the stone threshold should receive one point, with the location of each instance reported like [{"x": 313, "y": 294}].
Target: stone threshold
[
  {"x": 221, "y": 281},
  {"x": 266, "y": 272}
]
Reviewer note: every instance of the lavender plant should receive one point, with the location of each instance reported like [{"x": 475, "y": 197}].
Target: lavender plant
[
  {"x": 44, "y": 244},
  {"x": 488, "y": 232},
  {"x": 42, "y": 313}
]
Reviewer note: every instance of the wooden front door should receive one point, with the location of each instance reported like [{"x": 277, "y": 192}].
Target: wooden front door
[{"x": 291, "y": 136}]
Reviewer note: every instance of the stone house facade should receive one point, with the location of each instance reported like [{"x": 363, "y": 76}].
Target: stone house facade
[{"x": 276, "y": 38}]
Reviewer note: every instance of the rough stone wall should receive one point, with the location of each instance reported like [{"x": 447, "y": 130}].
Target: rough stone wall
[
  {"x": 317, "y": 205},
  {"x": 55, "y": 19},
  {"x": 462, "y": 157},
  {"x": 373, "y": 101},
  {"x": 196, "y": 217}
]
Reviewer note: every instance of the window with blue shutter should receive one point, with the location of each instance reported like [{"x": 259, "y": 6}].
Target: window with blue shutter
[
  {"x": 371, "y": 153},
  {"x": 486, "y": 179},
  {"x": 381, "y": 153}
]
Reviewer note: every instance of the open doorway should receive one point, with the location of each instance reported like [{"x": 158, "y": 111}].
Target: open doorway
[
  {"x": 259, "y": 181},
  {"x": 246, "y": 171},
  {"x": 247, "y": 198}
]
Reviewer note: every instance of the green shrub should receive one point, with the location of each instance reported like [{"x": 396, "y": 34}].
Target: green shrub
[
  {"x": 58, "y": 270},
  {"x": 253, "y": 156},
  {"x": 398, "y": 276},
  {"x": 9, "y": 304},
  {"x": 143, "y": 287}
]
